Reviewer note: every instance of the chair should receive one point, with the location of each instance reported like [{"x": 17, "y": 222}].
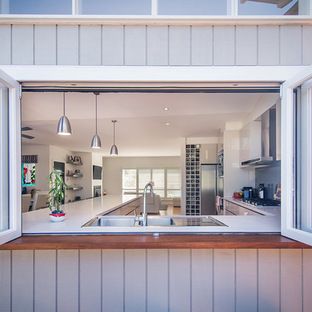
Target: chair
[{"x": 26, "y": 200}]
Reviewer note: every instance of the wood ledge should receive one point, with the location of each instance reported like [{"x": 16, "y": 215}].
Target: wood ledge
[{"x": 148, "y": 241}]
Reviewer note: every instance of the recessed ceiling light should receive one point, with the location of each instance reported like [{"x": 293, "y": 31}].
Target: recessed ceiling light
[
  {"x": 166, "y": 108},
  {"x": 167, "y": 124}
]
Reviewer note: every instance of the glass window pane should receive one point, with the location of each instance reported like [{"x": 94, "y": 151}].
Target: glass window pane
[
  {"x": 4, "y": 160},
  {"x": 161, "y": 193},
  {"x": 173, "y": 193},
  {"x": 158, "y": 177},
  {"x": 129, "y": 179},
  {"x": 35, "y": 6},
  {"x": 174, "y": 179},
  {"x": 272, "y": 7},
  {"x": 144, "y": 177},
  {"x": 192, "y": 7},
  {"x": 115, "y": 7}
]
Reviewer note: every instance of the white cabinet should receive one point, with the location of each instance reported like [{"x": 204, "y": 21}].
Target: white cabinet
[
  {"x": 250, "y": 141},
  {"x": 235, "y": 209}
]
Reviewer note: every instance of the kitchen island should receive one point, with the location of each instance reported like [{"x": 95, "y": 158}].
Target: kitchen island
[{"x": 81, "y": 212}]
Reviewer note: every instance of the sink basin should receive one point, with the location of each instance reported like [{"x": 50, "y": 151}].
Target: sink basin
[
  {"x": 116, "y": 221},
  {"x": 159, "y": 221}
]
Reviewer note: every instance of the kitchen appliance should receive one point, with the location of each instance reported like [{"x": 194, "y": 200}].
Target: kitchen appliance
[
  {"x": 247, "y": 192},
  {"x": 262, "y": 202},
  {"x": 211, "y": 189}
]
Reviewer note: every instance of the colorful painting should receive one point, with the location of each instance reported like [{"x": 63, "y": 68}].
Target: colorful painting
[{"x": 28, "y": 174}]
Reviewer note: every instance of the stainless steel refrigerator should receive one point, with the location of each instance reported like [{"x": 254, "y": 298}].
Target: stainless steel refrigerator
[{"x": 211, "y": 187}]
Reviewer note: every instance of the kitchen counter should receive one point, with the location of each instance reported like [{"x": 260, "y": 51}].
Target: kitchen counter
[{"x": 78, "y": 213}]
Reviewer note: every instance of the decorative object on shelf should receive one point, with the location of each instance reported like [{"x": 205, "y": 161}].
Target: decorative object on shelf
[
  {"x": 74, "y": 160},
  {"x": 114, "y": 149},
  {"x": 74, "y": 174},
  {"x": 74, "y": 187},
  {"x": 63, "y": 126},
  {"x": 56, "y": 196},
  {"x": 96, "y": 141}
]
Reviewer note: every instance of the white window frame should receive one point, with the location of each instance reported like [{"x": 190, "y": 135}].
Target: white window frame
[
  {"x": 288, "y": 158},
  {"x": 15, "y": 216}
]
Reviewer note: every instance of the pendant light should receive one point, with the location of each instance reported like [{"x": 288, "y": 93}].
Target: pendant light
[
  {"x": 114, "y": 149},
  {"x": 63, "y": 126},
  {"x": 96, "y": 141}
]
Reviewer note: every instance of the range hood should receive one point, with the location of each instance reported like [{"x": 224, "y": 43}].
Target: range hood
[{"x": 266, "y": 140}]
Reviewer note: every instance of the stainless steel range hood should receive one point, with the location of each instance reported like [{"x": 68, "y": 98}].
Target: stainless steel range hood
[{"x": 267, "y": 139}]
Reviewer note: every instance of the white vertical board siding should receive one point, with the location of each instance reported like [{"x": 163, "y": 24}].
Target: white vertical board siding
[
  {"x": 112, "y": 45},
  {"x": 202, "y": 280},
  {"x": 268, "y": 45},
  {"x": 291, "y": 45},
  {"x": 135, "y": 45},
  {"x": 67, "y": 45},
  {"x": 135, "y": 280},
  {"x": 157, "y": 280},
  {"x": 67, "y": 280},
  {"x": 307, "y": 45},
  {"x": 307, "y": 279},
  {"x": 113, "y": 280},
  {"x": 201, "y": 45},
  {"x": 45, "y": 281},
  {"x": 224, "y": 280},
  {"x": 180, "y": 280},
  {"x": 90, "y": 281},
  {"x": 179, "y": 45},
  {"x": 45, "y": 45},
  {"x": 246, "y": 280},
  {"x": 291, "y": 280},
  {"x": 23, "y": 44},
  {"x": 90, "y": 45},
  {"x": 246, "y": 45},
  {"x": 157, "y": 45},
  {"x": 5, "y": 280},
  {"x": 269, "y": 280},
  {"x": 224, "y": 45},
  {"x": 5, "y": 39},
  {"x": 22, "y": 281}
]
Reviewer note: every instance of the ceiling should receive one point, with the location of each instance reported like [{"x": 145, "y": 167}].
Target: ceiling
[{"x": 141, "y": 127}]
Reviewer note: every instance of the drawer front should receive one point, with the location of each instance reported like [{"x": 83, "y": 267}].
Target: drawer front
[{"x": 239, "y": 210}]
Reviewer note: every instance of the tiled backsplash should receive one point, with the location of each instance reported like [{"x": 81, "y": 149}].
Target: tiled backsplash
[{"x": 270, "y": 175}]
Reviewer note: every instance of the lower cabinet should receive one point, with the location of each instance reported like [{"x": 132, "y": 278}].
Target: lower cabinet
[{"x": 235, "y": 209}]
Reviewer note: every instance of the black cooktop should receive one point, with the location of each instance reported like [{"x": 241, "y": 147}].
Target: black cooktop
[{"x": 262, "y": 202}]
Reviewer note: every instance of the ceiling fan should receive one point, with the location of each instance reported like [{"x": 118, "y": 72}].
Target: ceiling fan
[{"x": 26, "y": 136}]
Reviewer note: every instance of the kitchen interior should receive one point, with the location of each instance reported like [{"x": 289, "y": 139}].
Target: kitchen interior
[{"x": 212, "y": 156}]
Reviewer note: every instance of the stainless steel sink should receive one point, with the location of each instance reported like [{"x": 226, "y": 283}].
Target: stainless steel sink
[{"x": 160, "y": 221}]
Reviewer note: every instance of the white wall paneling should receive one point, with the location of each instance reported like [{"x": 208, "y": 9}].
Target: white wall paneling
[
  {"x": 246, "y": 45},
  {"x": 5, "y": 39},
  {"x": 307, "y": 45},
  {"x": 23, "y": 44},
  {"x": 179, "y": 45},
  {"x": 45, "y": 45},
  {"x": 224, "y": 45},
  {"x": 90, "y": 45},
  {"x": 202, "y": 45},
  {"x": 264, "y": 280},
  {"x": 291, "y": 45},
  {"x": 112, "y": 45},
  {"x": 67, "y": 45},
  {"x": 157, "y": 45},
  {"x": 135, "y": 45},
  {"x": 268, "y": 45}
]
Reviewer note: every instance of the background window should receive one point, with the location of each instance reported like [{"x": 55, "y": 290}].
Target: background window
[
  {"x": 115, "y": 7},
  {"x": 35, "y": 6},
  {"x": 4, "y": 160},
  {"x": 129, "y": 180},
  {"x": 173, "y": 183},
  {"x": 272, "y": 7},
  {"x": 192, "y": 7},
  {"x": 144, "y": 177},
  {"x": 158, "y": 177}
]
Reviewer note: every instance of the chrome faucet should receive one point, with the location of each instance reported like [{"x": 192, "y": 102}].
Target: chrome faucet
[{"x": 149, "y": 185}]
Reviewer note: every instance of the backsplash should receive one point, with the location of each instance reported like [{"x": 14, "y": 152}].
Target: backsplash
[{"x": 269, "y": 176}]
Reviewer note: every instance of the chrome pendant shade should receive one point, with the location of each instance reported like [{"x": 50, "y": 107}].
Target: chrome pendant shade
[
  {"x": 96, "y": 141},
  {"x": 114, "y": 149},
  {"x": 63, "y": 126}
]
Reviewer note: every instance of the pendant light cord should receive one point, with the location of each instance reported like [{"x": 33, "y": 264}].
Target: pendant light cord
[
  {"x": 63, "y": 103},
  {"x": 114, "y": 130},
  {"x": 96, "y": 114}
]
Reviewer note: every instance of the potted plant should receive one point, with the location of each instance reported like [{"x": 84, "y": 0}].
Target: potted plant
[{"x": 56, "y": 196}]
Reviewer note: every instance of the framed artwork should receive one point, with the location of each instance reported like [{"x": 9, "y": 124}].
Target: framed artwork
[{"x": 28, "y": 174}]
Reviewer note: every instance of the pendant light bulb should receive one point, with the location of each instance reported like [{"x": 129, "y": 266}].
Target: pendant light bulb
[
  {"x": 114, "y": 149},
  {"x": 63, "y": 126},
  {"x": 96, "y": 141}
]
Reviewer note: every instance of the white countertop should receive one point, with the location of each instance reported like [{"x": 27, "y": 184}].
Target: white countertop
[{"x": 78, "y": 213}]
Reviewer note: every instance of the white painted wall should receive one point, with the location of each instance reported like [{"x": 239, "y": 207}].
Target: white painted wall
[
  {"x": 42, "y": 167},
  {"x": 112, "y": 169}
]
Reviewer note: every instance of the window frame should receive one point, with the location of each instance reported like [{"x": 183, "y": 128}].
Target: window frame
[{"x": 15, "y": 216}]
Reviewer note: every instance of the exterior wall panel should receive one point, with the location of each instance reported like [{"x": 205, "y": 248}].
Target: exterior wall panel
[
  {"x": 22, "y": 45},
  {"x": 135, "y": 45},
  {"x": 67, "y": 45},
  {"x": 224, "y": 45},
  {"x": 5, "y": 39}
]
